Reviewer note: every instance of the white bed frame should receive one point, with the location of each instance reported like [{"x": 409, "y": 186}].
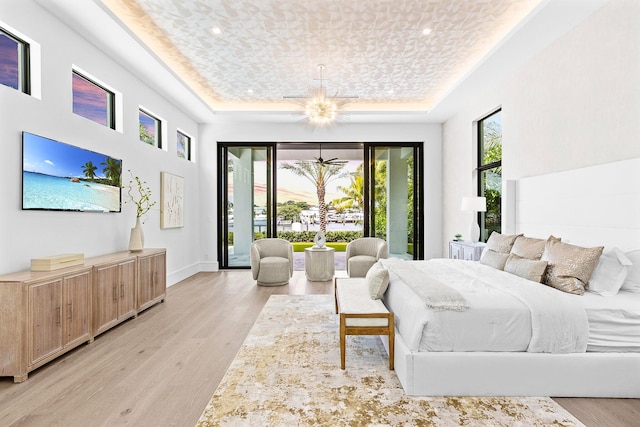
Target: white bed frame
[{"x": 598, "y": 205}]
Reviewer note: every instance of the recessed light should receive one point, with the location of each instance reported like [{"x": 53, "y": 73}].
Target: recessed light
[
  {"x": 216, "y": 30},
  {"x": 426, "y": 31}
]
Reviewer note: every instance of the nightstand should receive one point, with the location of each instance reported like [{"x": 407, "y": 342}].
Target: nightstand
[{"x": 466, "y": 250}]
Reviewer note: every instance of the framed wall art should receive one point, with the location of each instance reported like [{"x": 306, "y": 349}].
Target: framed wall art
[{"x": 172, "y": 200}]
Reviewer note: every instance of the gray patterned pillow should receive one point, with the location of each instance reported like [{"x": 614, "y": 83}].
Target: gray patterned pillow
[
  {"x": 529, "y": 247},
  {"x": 494, "y": 259},
  {"x": 570, "y": 266},
  {"x": 527, "y": 268}
]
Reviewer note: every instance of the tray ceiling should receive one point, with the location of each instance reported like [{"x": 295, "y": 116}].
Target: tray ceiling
[{"x": 267, "y": 49}]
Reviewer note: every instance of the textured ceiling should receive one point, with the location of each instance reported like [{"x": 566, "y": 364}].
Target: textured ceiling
[{"x": 374, "y": 49}]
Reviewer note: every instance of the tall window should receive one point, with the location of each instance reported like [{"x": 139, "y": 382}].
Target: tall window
[
  {"x": 490, "y": 172},
  {"x": 93, "y": 101},
  {"x": 150, "y": 128},
  {"x": 14, "y": 62},
  {"x": 183, "y": 147}
]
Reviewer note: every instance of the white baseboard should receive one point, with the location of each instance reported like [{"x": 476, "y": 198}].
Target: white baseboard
[{"x": 177, "y": 276}]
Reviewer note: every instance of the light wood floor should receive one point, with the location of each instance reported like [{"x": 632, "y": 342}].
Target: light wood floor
[{"x": 162, "y": 368}]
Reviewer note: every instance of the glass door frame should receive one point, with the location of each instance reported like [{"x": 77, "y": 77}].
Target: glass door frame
[
  {"x": 418, "y": 191},
  {"x": 368, "y": 196},
  {"x": 223, "y": 195}
]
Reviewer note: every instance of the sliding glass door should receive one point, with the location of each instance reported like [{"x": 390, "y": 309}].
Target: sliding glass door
[
  {"x": 377, "y": 192},
  {"x": 245, "y": 182},
  {"x": 394, "y": 197}
]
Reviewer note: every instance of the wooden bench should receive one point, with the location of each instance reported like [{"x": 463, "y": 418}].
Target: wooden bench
[{"x": 361, "y": 315}]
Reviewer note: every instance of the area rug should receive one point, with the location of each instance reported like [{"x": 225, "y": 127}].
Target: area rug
[{"x": 287, "y": 373}]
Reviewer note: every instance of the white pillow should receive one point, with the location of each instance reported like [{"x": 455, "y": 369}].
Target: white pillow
[
  {"x": 378, "y": 280},
  {"x": 610, "y": 273},
  {"x": 632, "y": 282}
]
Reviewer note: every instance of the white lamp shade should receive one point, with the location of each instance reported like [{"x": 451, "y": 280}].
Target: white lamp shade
[{"x": 474, "y": 204}]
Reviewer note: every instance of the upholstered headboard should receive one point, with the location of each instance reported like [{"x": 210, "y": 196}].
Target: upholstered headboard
[{"x": 591, "y": 206}]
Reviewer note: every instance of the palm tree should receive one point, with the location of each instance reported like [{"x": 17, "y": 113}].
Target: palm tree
[
  {"x": 112, "y": 171},
  {"x": 320, "y": 175},
  {"x": 354, "y": 192},
  {"x": 89, "y": 170}
]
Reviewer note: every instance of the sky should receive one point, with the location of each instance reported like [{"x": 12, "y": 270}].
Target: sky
[
  {"x": 51, "y": 157},
  {"x": 296, "y": 188},
  {"x": 89, "y": 100},
  {"x": 8, "y": 62}
]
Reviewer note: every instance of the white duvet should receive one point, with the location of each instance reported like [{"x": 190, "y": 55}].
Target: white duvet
[{"x": 506, "y": 312}]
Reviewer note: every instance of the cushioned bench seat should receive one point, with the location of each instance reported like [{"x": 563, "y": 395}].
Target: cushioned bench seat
[{"x": 361, "y": 315}]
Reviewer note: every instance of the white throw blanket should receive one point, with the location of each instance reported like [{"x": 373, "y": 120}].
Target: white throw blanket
[{"x": 435, "y": 294}]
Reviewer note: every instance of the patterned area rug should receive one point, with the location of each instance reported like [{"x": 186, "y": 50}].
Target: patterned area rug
[{"x": 287, "y": 373}]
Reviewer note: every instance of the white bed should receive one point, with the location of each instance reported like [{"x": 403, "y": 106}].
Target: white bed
[{"x": 611, "y": 365}]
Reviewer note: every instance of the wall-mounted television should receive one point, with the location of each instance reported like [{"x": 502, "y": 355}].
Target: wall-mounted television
[{"x": 62, "y": 177}]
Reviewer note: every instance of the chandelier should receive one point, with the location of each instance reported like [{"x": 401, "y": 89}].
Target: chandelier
[{"x": 318, "y": 108}]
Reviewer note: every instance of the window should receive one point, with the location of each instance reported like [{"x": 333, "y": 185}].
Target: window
[
  {"x": 150, "y": 128},
  {"x": 14, "y": 62},
  {"x": 490, "y": 172},
  {"x": 183, "y": 146},
  {"x": 93, "y": 101}
]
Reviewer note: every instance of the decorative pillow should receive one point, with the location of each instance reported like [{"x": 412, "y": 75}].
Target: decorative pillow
[
  {"x": 610, "y": 273},
  {"x": 570, "y": 266},
  {"x": 493, "y": 259},
  {"x": 501, "y": 242},
  {"x": 527, "y": 268},
  {"x": 632, "y": 282},
  {"x": 378, "y": 280},
  {"x": 529, "y": 247}
]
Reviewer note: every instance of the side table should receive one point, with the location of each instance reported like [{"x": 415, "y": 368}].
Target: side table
[
  {"x": 319, "y": 264},
  {"x": 466, "y": 250}
]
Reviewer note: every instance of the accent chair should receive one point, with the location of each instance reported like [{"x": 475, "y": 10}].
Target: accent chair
[
  {"x": 362, "y": 253},
  {"x": 271, "y": 261}
]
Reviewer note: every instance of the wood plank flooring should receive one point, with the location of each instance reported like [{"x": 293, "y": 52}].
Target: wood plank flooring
[{"x": 161, "y": 368}]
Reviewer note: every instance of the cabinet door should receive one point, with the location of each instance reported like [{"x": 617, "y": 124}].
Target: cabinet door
[
  {"x": 159, "y": 276},
  {"x": 455, "y": 250},
  {"x": 45, "y": 313},
  {"x": 145, "y": 281},
  {"x": 105, "y": 300},
  {"x": 127, "y": 289},
  {"x": 469, "y": 253},
  {"x": 152, "y": 283},
  {"x": 76, "y": 308}
]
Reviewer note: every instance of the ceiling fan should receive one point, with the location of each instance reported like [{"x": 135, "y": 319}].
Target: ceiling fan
[{"x": 328, "y": 162}]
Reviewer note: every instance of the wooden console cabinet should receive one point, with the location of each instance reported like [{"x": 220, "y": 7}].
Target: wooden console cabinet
[{"x": 45, "y": 314}]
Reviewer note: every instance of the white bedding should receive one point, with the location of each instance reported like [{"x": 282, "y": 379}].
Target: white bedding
[
  {"x": 614, "y": 322},
  {"x": 507, "y": 313}
]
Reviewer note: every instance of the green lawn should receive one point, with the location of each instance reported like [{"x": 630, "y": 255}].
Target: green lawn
[{"x": 300, "y": 246}]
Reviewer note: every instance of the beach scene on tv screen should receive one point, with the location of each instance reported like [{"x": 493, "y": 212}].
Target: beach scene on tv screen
[{"x": 60, "y": 176}]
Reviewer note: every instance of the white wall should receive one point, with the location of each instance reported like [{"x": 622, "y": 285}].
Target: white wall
[
  {"x": 29, "y": 234},
  {"x": 575, "y": 104},
  {"x": 233, "y": 130}
]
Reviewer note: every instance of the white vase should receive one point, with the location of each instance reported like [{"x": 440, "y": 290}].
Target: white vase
[{"x": 136, "y": 241}]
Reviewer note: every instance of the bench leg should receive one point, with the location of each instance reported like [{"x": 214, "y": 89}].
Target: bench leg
[
  {"x": 343, "y": 339},
  {"x": 392, "y": 339}
]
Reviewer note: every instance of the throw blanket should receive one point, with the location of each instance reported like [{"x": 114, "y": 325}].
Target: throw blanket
[{"x": 435, "y": 294}]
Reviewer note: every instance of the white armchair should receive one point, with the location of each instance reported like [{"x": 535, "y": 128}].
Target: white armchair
[
  {"x": 271, "y": 261},
  {"x": 362, "y": 253}
]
